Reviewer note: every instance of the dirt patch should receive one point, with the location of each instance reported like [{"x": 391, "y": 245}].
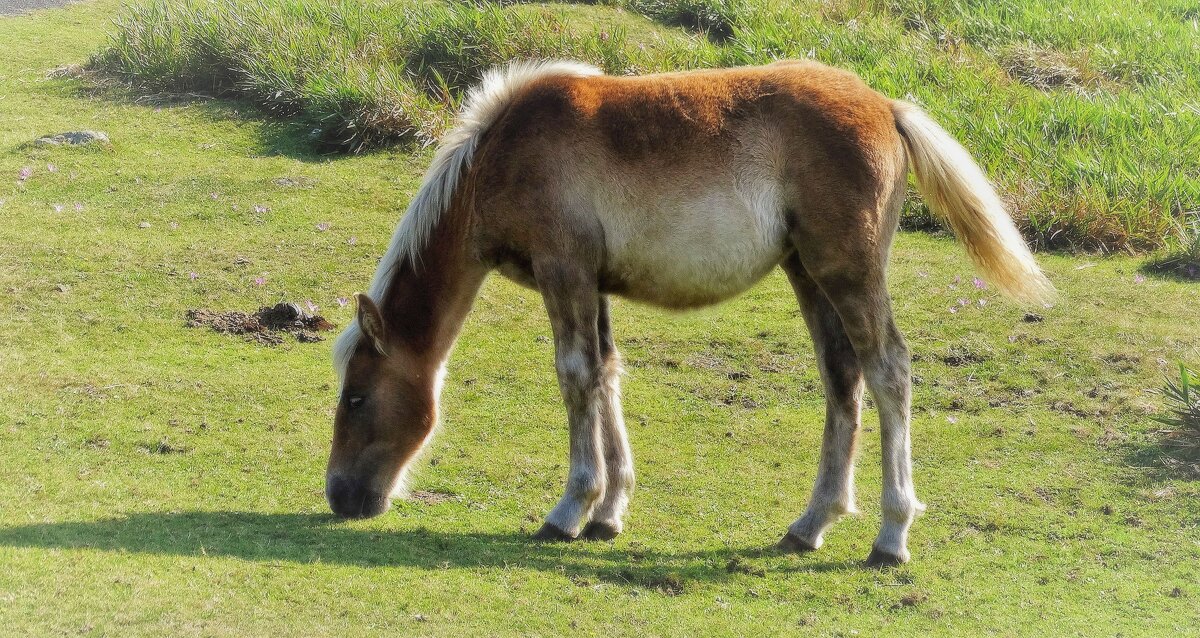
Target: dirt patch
[
  {"x": 738, "y": 565},
  {"x": 265, "y": 327},
  {"x": 962, "y": 356},
  {"x": 913, "y": 598},
  {"x": 163, "y": 446}
]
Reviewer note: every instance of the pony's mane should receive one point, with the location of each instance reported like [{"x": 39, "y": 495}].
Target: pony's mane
[{"x": 483, "y": 105}]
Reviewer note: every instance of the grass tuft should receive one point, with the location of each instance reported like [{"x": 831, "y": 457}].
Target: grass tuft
[
  {"x": 1182, "y": 438},
  {"x": 716, "y": 19},
  {"x": 1184, "y": 261}
]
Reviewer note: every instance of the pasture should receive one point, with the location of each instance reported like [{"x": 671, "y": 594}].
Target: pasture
[{"x": 161, "y": 479}]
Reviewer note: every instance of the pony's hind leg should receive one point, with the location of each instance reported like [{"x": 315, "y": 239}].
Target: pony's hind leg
[
  {"x": 607, "y": 519},
  {"x": 844, "y": 252},
  {"x": 833, "y": 492},
  {"x": 572, "y": 303},
  {"x": 859, "y": 295}
]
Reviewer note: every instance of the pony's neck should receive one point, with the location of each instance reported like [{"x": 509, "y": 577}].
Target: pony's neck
[{"x": 429, "y": 297}]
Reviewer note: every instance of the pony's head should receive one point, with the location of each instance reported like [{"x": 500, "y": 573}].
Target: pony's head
[{"x": 386, "y": 413}]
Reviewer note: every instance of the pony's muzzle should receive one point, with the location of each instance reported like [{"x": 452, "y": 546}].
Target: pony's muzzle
[{"x": 351, "y": 499}]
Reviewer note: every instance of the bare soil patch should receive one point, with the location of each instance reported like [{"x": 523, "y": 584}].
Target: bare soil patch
[{"x": 264, "y": 327}]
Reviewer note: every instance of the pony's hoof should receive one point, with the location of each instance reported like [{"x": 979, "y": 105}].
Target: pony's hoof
[
  {"x": 881, "y": 560},
  {"x": 596, "y": 531},
  {"x": 791, "y": 544},
  {"x": 551, "y": 534}
]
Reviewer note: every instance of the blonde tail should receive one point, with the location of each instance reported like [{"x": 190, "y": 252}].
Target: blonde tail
[{"x": 958, "y": 192}]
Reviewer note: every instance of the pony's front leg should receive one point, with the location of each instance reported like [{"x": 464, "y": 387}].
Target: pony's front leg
[{"x": 572, "y": 303}]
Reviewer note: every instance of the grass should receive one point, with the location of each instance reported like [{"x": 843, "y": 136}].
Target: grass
[
  {"x": 166, "y": 480},
  {"x": 1182, "y": 261},
  {"x": 1183, "y": 419},
  {"x": 1083, "y": 112},
  {"x": 362, "y": 75}
]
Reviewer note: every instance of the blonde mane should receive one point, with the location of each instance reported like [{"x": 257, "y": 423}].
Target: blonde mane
[{"x": 483, "y": 105}]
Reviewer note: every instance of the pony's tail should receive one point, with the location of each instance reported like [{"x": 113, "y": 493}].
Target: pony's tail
[{"x": 958, "y": 192}]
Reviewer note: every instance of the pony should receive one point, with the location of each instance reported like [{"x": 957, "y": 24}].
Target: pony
[{"x": 678, "y": 190}]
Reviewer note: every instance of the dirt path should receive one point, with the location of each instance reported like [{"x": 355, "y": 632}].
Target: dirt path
[{"x": 14, "y": 7}]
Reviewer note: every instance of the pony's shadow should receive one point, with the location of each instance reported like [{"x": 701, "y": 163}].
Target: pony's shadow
[{"x": 321, "y": 538}]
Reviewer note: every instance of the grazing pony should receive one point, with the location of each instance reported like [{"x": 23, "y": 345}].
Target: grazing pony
[{"x": 679, "y": 190}]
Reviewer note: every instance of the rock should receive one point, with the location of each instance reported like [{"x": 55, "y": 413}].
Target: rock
[
  {"x": 62, "y": 288},
  {"x": 74, "y": 138}
]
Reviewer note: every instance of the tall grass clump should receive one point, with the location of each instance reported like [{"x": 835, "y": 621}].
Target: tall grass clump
[
  {"x": 1182, "y": 436},
  {"x": 363, "y": 74},
  {"x": 1182, "y": 259}
]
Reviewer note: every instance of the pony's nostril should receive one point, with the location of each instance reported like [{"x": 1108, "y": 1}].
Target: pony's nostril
[
  {"x": 342, "y": 496},
  {"x": 350, "y": 499}
]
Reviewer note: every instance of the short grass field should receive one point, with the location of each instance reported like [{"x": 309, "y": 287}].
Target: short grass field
[{"x": 161, "y": 480}]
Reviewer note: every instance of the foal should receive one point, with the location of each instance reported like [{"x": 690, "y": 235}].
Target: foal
[{"x": 679, "y": 190}]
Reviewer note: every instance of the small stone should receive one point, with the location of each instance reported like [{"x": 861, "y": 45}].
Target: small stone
[
  {"x": 62, "y": 288},
  {"x": 73, "y": 138},
  {"x": 144, "y": 225}
]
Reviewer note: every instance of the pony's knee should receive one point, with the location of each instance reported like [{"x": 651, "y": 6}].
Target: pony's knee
[
  {"x": 577, "y": 375},
  {"x": 900, "y": 508}
]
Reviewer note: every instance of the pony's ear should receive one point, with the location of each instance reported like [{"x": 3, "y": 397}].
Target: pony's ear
[{"x": 371, "y": 322}]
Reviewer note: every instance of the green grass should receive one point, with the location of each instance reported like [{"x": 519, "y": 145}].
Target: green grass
[
  {"x": 161, "y": 480},
  {"x": 362, "y": 75},
  {"x": 1084, "y": 113}
]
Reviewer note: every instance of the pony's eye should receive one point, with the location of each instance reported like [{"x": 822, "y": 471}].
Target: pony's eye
[{"x": 356, "y": 401}]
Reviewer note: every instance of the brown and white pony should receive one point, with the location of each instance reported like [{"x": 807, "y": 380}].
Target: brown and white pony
[{"x": 679, "y": 190}]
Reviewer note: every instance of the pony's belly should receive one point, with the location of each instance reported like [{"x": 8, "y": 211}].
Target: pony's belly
[{"x": 692, "y": 257}]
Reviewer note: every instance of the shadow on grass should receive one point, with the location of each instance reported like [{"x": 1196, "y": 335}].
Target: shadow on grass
[
  {"x": 322, "y": 538},
  {"x": 1159, "y": 462}
]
